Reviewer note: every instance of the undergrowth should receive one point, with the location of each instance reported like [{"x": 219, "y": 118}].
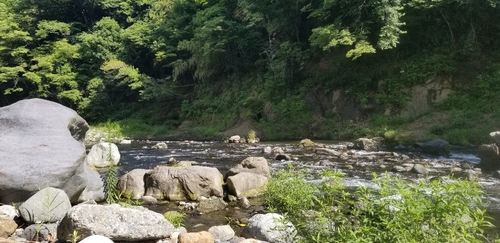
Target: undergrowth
[{"x": 443, "y": 210}]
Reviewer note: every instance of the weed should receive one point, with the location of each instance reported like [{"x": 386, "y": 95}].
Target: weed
[
  {"x": 110, "y": 186},
  {"x": 430, "y": 211},
  {"x": 175, "y": 217},
  {"x": 75, "y": 236}
]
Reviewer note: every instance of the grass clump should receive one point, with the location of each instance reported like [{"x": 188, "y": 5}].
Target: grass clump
[
  {"x": 175, "y": 217},
  {"x": 429, "y": 211}
]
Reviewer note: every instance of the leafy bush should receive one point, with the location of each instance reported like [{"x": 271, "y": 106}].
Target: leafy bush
[{"x": 444, "y": 210}]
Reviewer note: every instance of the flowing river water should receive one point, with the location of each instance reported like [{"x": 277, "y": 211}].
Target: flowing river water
[{"x": 358, "y": 169}]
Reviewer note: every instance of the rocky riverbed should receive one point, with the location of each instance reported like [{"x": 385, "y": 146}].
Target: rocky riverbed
[{"x": 407, "y": 161}]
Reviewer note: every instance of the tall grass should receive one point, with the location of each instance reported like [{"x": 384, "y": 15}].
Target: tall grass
[{"x": 446, "y": 210}]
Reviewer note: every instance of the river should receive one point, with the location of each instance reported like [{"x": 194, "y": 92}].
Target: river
[{"x": 224, "y": 156}]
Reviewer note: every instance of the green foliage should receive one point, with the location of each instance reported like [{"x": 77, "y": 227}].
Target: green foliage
[
  {"x": 251, "y": 135},
  {"x": 75, "y": 236},
  {"x": 103, "y": 43},
  {"x": 289, "y": 192},
  {"x": 218, "y": 62},
  {"x": 13, "y": 52},
  {"x": 444, "y": 210},
  {"x": 291, "y": 118},
  {"x": 175, "y": 217},
  {"x": 48, "y": 28},
  {"x": 132, "y": 128},
  {"x": 110, "y": 185},
  {"x": 52, "y": 72},
  {"x": 472, "y": 114}
]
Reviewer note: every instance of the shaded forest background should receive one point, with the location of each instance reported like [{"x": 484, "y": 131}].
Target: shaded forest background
[{"x": 211, "y": 64}]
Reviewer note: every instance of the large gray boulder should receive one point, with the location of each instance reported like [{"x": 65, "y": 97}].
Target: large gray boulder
[
  {"x": 103, "y": 154},
  {"x": 182, "y": 183},
  {"x": 49, "y": 205},
  {"x": 269, "y": 227},
  {"x": 132, "y": 184},
  {"x": 114, "y": 222},
  {"x": 41, "y": 145}
]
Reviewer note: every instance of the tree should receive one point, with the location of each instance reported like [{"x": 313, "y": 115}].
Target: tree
[{"x": 13, "y": 54}]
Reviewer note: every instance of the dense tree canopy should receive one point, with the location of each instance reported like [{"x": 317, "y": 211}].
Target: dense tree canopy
[{"x": 107, "y": 57}]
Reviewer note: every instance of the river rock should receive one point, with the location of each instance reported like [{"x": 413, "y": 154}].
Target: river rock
[
  {"x": 438, "y": 147},
  {"x": 398, "y": 168},
  {"x": 244, "y": 202},
  {"x": 211, "y": 205},
  {"x": 277, "y": 150},
  {"x": 243, "y": 240},
  {"x": 281, "y": 157},
  {"x": 198, "y": 237},
  {"x": 149, "y": 200},
  {"x": 48, "y": 205},
  {"x": 306, "y": 143},
  {"x": 39, "y": 232},
  {"x": 246, "y": 184},
  {"x": 367, "y": 144},
  {"x": 490, "y": 156},
  {"x": 267, "y": 150},
  {"x": 103, "y": 154},
  {"x": 160, "y": 145},
  {"x": 234, "y": 139},
  {"x": 256, "y": 165},
  {"x": 8, "y": 212},
  {"x": 269, "y": 227},
  {"x": 326, "y": 151},
  {"x": 37, "y": 132},
  {"x": 419, "y": 169},
  {"x": 182, "y": 183},
  {"x": 132, "y": 183},
  {"x": 222, "y": 232},
  {"x": 495, "y": 137},
  {"x": 96, "y": 239},
  {"x": 114, "y": 222},
  {"x": 7, "y": 227}
]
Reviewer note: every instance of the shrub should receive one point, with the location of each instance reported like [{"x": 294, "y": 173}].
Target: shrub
[{"x": 444, "y": 210}]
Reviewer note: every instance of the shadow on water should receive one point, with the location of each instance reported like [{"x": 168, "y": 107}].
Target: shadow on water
[{"x": 224, "y": 156}]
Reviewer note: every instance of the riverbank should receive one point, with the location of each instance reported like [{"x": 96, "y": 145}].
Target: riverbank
[{"x": 457, "y": 127}]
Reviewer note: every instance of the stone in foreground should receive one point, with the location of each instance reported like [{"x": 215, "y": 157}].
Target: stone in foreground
[
  {"x": 49, "y": 205},
  {"x": 269, "y": 227},
  {"x": 41, "y": 145},
  {"x": 246, "y": 184},
  {"x": 114, "y": 222}
]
